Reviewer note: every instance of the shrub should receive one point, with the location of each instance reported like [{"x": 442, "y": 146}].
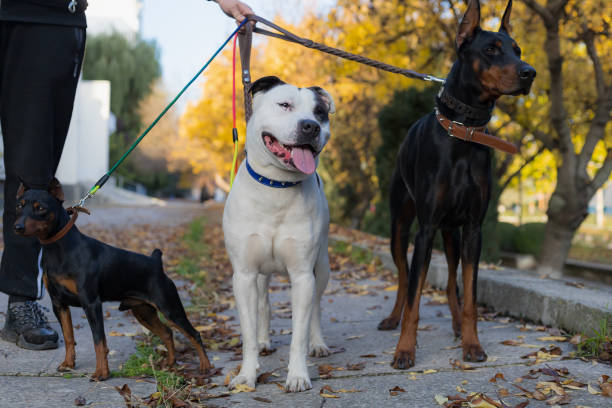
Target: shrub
[
  {"x": 506, "y": 233},
  {"x": 529, "y": 237}
]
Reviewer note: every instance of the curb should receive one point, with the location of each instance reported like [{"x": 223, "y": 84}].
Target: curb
[{"x": 522, "y": 294}]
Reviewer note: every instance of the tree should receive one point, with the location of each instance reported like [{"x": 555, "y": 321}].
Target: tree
[
  {"x": 131, "y": 66},
  {"x": 569, "y": 112}
]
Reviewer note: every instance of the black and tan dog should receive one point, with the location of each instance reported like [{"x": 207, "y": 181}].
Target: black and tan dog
[
  {"x": 81, "y": 271},
  {"x": 443, "y": 179}
]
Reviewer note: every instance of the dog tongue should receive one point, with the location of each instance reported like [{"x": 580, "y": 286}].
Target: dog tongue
[{"x": 303, "y": 159}]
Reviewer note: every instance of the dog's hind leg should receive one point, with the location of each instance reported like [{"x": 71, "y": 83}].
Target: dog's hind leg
[
  {"x": 147, "y": 316},
  {"x": 169, "y": 304},
  {"x": 470, "y": 256},
  {"x": 402, "y": 217},
  {"x": 452, "y": 250},
  {"x": 65, "y": 319},
  {"x": 263, "y": 311},
  {"x": 405, "y": 351},
  {"x": 318, "y": 348}
]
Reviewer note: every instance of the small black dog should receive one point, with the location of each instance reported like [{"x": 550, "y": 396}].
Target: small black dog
[
  {"x": 81, "y": 271},
  {"x": 443, "y": 178}
]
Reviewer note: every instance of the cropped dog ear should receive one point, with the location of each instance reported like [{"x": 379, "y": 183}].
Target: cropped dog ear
[
  {"x": 265, "y": 84},
  {"x": 55, "y": 188},
  {"x": 505, "y": 21},
  {"x": 469, "y": 24},
  {"x": 21, "y": 190},
  {"x": 326, "y": 98}
]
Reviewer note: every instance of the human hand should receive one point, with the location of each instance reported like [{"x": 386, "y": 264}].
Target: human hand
[{"x": 235, "y": 9}]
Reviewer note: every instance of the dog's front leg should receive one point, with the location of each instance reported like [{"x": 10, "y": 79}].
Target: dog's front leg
[
  {"x": 302, "y": 294},
  {"x": 263, "y": 314},
  {"x": 65, "y": 319},
  {"x": 245, "y": 293},
  {"x": 93, "y": 311}
]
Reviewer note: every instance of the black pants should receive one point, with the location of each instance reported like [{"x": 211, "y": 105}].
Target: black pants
[{"x": 39, "y": 69}]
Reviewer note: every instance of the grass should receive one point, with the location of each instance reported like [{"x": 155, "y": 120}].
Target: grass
[
  {"x": 356, "y": 254},
  {"x": 139, "y": 365},
  {"x": 590, "y": 347},
  {"x": 189, "y": 265}
]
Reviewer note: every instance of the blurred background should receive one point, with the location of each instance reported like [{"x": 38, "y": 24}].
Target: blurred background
[{"x": 552, "y": 203}]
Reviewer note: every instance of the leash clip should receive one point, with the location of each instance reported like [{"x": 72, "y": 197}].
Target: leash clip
[{"x": 72, "y": 6}]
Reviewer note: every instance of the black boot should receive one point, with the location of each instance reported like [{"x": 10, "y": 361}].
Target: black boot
[{"x": 28, "y": 327}]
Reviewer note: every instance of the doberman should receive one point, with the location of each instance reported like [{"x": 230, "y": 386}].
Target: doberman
[
  {"x": 81, "y": 271},
  {"x": 445, "y": 181}
]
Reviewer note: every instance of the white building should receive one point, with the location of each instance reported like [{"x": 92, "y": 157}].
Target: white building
[{"x": 106, "y": 16}]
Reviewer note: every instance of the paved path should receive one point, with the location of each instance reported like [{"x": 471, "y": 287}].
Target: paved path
[{"x": 29, "y": 379}]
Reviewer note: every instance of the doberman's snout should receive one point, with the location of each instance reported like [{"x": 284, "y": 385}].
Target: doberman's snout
[
  {"x": 308, "y": 129},
  {"x": 19, "y": 227},
  {"x": 527, "y": 73}
]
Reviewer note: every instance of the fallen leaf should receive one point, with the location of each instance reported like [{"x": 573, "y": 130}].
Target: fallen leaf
[
  {"x": 391, "y": 288},
  {"x": 355, "y": 337},
  {"x": 264, "y": 377},
  {"x": 430, "y": 371},
  {"x": 80, "y": 401},
  {"x": 116, "y": 334},
  {"x": 592, "y": 390},
  {"x": 262, "y": 399},
  {"x": 497, "y": 376},
  {"x": 396, "y": 390},
  {"x": 606, "y": 389},
  {"x": 440, "y": 399},
  {"x": 324, "y": 395},
  {"x": 242, "y": 388},
  {"x": 368, "y": 356},
  {"x": 552, "y": 338},
  {"x": 356, "y": 366}
]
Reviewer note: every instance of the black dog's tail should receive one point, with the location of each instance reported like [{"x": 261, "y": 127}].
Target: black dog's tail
[{"x": 157, "y": 256}]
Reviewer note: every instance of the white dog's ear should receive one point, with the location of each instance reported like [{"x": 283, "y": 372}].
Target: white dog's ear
[
  {"x": 325, "y": 97},
  {"x": 265, "y": 84}
]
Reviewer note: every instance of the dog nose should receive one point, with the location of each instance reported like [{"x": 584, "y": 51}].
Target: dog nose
[
  {"x": 527, "y": 73},
  {"x": 309, "y": 128},
  {"x": 19, "y": 228}
]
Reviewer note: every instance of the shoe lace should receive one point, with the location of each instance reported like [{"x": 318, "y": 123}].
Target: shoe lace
[{"x": 30, "y": 314}]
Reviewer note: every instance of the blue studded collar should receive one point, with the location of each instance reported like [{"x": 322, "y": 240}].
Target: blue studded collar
[{"x": 269, "y": 182}]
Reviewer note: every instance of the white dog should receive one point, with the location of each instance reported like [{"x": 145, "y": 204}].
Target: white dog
[{"x": 276, "y": 220}]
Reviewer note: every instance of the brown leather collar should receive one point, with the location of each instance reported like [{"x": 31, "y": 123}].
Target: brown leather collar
[
  {"x": 474, "y": 134},
  {"x": 476, "y": 114},
  {"x": 62, "y": 233}
]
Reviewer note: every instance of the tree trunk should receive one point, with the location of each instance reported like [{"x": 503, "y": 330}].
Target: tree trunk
[{"x": 565, "y": 214}]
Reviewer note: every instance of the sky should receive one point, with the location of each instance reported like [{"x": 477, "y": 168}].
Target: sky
[{"x": 188, "y": 32}]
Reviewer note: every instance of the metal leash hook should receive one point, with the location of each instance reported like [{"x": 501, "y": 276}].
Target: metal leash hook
[{"x": 72, "y": 6}]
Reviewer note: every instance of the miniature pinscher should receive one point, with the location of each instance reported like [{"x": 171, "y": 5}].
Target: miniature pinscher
[
  {"x": 443, "y": 178},
  {"x": 81, "y": 271}
]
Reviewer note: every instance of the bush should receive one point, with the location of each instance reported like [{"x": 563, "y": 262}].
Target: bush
[
  {"x": 529, "y": 237},
  {"x": 506, "y": 233}
]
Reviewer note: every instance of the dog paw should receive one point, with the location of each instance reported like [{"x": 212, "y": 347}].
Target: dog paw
[
  {"x": 100, "y": 376},
  {"x": 319, "y": 350},
  {"x": 65, "y": 366},
  {"x": 474, "y": 353},
  {"x": 242, "y": 379},
  {"x": 297, "y": 384},
  {"x": 265, "y": 349},
  {"x": 402, "y": 360},
  {"x": 390, "y": 323}
]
